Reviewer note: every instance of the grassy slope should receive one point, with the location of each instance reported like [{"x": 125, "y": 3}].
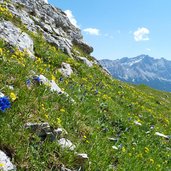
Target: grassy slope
[{"x": 104, "y": 108}]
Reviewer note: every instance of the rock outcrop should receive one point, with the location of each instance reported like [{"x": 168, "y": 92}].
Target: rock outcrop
[
  {"x": 51, "y": 21},
  {"x": 66, "y": 69},
  {"x": 85, "y": 61},
  {"x": 15, "y": 37}
]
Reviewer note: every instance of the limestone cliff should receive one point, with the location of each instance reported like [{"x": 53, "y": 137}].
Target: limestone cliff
[{"x": 38, "y": 16}]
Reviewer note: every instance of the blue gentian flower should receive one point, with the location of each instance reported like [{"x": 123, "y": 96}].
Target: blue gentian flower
[
  {"x": 28, "y": 83},
  {"x": 96, "y": 92},
  {"x": 4, "y": 103},
  {"x": 61, "y": 79},
  {"x": 37, "y": 79}
]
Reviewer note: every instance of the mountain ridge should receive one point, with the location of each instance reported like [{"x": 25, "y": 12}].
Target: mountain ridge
[{"x": 142, "y": 69}]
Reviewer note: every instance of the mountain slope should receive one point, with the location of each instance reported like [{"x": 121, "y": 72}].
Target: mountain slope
[
  {"x": 60, "y": 109},
  {"x": 142, "y": 69}
]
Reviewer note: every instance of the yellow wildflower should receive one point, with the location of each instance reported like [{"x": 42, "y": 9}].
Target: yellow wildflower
[
  {"x": 53, "y": 77},
  {"x": 58, "y": 121},
  {"x": 123, "y": 149},
  {"x": 130, "y": 154},
  {"x": 13, "y": 96},
  {"x": 0, "y": 51},
  {"x": 84, "y": 136},
  {"x": 146, "y": 150},
  {"x": 139, "y": 155},
  {"x": 1, "y": 165},
  {"x": 43, "y": 107},
  {"x": 84, "y": 79},
  {"x": 62, "y": 110},
  {"x": 105, "y": 97},
  {"x": 158, "y": 166},
  {"x": 46, "y": 116},
  {"x": 152, "y": 161}
]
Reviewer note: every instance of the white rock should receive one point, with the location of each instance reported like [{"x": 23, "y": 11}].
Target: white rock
[
  {"x": 53, "y": 86},
  {"x": 66, "y": 69},
  {"x": 137, "y": 123},
  {"x": 86, "y": 61},
  {"x": 46, "y": 27},
  {"x": 25, "y": 18},
  {"x": 113, "y": 139},
  {"x": 65, "y": 143},
  {"x": 46, "y": 1},
  {"x": 5, "y": 163},
  {"x": 43, "y": 79},
  {"x": 114, "y": 147},
  {"x": 36, "y": 125},
  {"x": 1, "y": 94},
  {"x": 58, "y": 131},
  {"x": 152, "y": 127},
  {"x": 82, "y": 155},
  {"x": 10, "y": 87},
  {"x": 162, "y": 135}
]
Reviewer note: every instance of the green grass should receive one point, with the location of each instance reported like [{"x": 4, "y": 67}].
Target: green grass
[{"x": 104, "y": 108}]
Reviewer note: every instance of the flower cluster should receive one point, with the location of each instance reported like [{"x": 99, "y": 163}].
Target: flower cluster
[
  {"x": 5, "y": 12},
  {"x": 4, "y": 103}
]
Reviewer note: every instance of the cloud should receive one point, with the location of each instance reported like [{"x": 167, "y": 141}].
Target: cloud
[
  {"x": 71, "y": 17},
  {"x": 92, "y": 31},
  {"x": 148, "y": 49},
  {"x": 141, "y": 34}
]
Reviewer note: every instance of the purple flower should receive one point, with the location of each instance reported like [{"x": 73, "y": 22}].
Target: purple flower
[{"x": 4, "y": 103}]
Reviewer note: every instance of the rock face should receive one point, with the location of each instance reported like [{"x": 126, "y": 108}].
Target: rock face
[
  {"x": 51, "y": 21},
  {"x": 66, "y": 69},
  {"x": 142, "y": 69},
  {"x": 14, "y": 36},
  {"x": 86, "y": 61},
  {"x": 45, "y": 1},
  {"x": 5, "y": 163}
]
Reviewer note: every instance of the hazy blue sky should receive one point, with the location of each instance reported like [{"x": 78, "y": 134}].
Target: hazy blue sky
[{"x": 119, "y": 28}]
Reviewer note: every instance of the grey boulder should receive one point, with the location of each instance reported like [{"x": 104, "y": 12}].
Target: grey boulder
[{"x": 66, "y": 69}]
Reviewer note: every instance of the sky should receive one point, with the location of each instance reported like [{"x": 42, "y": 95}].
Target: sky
[{"x": 122, "y": 28}]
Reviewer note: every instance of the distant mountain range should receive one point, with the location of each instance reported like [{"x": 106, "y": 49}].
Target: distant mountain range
[{"x": 142, "y": 69}]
